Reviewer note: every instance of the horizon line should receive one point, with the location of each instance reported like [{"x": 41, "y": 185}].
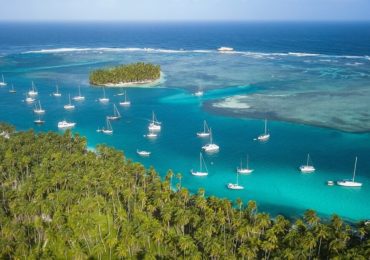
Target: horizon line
[{"x": 182, "y": 21}]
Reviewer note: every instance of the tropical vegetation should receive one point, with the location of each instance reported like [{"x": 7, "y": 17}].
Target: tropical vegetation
[
  {"x": 59, "y": 200},
  {"x": 130, "y": 73}
]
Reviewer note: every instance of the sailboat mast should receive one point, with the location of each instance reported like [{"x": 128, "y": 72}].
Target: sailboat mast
[
  {"x": 247, "y": 161},
  {"x": 200, "y": 161},
  {"x": 308, "y": 158},
  {"x": 265, "y": 126},
  {"x": 354, "y": 170},
  {"x": 210, "y": 136}
]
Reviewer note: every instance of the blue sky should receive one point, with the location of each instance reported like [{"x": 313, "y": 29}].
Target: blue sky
[{"x": 142, "y": 10}]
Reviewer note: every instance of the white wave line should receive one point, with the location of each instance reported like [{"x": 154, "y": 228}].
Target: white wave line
[{"x": 159, "y": 50}]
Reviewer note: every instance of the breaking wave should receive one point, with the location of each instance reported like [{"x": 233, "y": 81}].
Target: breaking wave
[{"x": 159, "y": 50}]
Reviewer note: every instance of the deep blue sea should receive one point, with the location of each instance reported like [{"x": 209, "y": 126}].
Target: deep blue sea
[{"x": 312, "y": 80}]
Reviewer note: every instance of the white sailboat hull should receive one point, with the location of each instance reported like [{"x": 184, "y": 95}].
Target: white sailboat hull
[
  {"x": 203, "y": 134},
  {"x": 39, "y": 111},
  {"x": 65, "y": 124},
  {"x": 69, "y": 107},
  {"x": 244, "y": 170},
  {"x": 113, "y": 117},
  {"x": 198, "y": 173},
  {"x": 125, "y": 103},
  {"x": 30, "y": 100},
  {"x": 233, "y": 186},
  {"x": 143, "y": 153},
  {"x": 211, "y": 148},
  {"x": 103, "y": 100},
  {"x": 2, "y": 84},
  {"x": 307, "y": 169},
  {"x": 154, "y": 127},
  {"x": 264, "y": 137},
  {"x": 57, "y": 94},
  {"x": 78, "y": 98},
  {"x": 349, "y": 183}
]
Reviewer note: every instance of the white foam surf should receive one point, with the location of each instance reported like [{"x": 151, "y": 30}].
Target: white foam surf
[{"x": 253, "y": 54}]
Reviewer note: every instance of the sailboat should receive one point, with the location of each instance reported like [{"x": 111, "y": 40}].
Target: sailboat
[
  {"x": 201, "y": 172},
  {"x": 116, "y": 115},
  {"x": 242, "y": 170},
  {"x": 104, "y": 99},
  {"x": 12, "y": 90},
  {"x": 199, "y": 93},
  {"x": 39, "y": 121},
  {"x": 351, "y": 183},
  {"x": 307, "y": 168},
  {"x": 29, "y": 99},
  {"x": 151, "y": 134},
  {"x": 108, "y": 129},
  {"x": 126, "y": 102},
  {"x": 38, "y": 109},
  {"x": 65, "y": 124},
  {"x": 33, "y": 91},
  {"x": 143, "y": 153},
  {"x": 235, "y": 186},
  {"x": 79, "y": 97},
  {"x": 211, "y": 147},
  {"x": 57, "y": 94},
  {"x": 154, "y": 125},
  {"x": 69, "y": 106},
  {"x": 121, "y": 93},
  {"x": 205, "y": 132},
  {"x": 3, "y": 83},
  {"x": 265, "y": 136}
]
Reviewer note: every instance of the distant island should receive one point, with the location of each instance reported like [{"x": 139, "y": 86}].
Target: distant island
[{"x": 133, "y": 74}]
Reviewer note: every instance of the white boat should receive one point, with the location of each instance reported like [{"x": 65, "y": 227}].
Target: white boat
[
  {"x": 154, "y": 125},
  {"x": 39, "y": 121},
  {"x": 225, "y": 49},
  {"x": 79, "y": 97},
  {"x": 205, "y": 132},
  {"x": 307, "y": 168},
  {"x": 201, "y": 172},
  {"x": 116, "y": 115},
  {"x": 350, "y": 183},
  {"x": 64, "y": 124},
  {"x": 104, "y": 99},
  {"x": 246, "y": 170},
  {"x": 151, "y": 134},
  {"x": 143, "y": 153},
  {"x": 69, "y": 106},
  {"x": 330, "y": 183},
  {"x": 126, "y": 102},
  {"x": 38, "y": 109},
  {"x": 29, "y": 99},
  {"x": 199, "y": 93},
  {"x": 265, "y": 136},
  {"x": 121, "y": 93},
  {"x": 57, "y": 94},
  {"x": 33, "y": 91},
  {"x": 108, "y": 129},
  {"x": 235, "y": 186},
  {"x": 12, "y": 90},
  {"x": 3, "y": 83},
  {"x": 211, "y": 147}
]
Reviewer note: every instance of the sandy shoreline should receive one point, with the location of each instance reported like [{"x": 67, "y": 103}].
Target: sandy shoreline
[{"x": 137, "y": 84}]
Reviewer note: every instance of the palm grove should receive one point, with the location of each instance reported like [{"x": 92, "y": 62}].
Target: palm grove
[
  {"x": 59, "y": 200},
  {"x": 130, "y": 73}
]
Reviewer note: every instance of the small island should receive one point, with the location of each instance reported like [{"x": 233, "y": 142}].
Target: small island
[{"x": 134, "y": 74}]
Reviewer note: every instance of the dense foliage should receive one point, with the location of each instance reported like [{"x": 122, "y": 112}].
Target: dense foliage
[
  {"x": 59, "y": 200},
  {"x": 131, "y": 73}
]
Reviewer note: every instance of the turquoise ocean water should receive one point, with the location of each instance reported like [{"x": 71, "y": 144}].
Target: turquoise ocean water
[{"x": 265, "y": 64}]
